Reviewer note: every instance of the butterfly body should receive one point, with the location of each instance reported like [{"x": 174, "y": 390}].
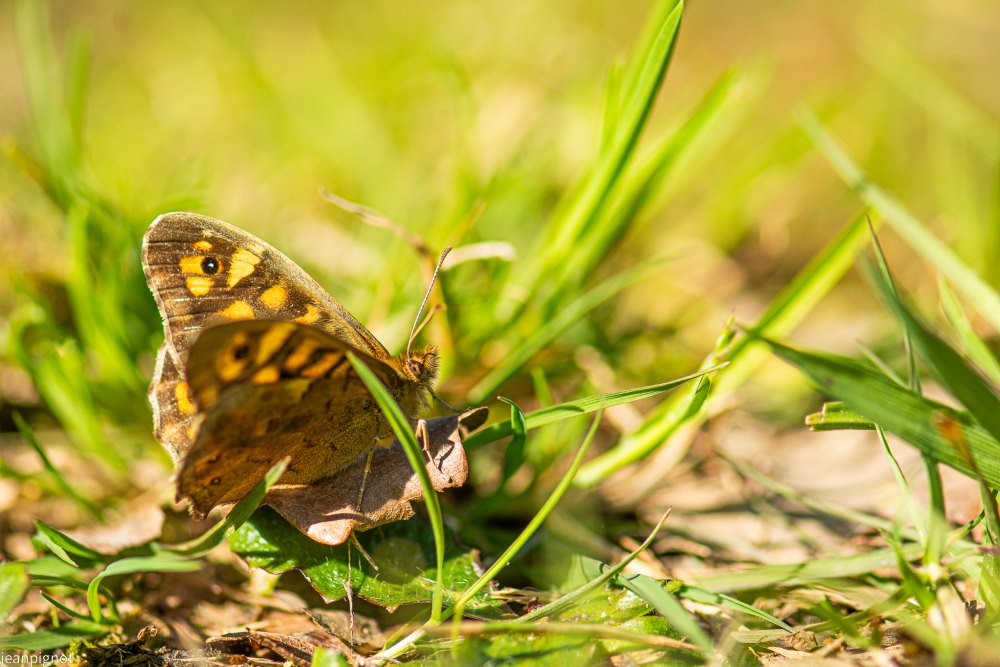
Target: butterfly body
[{"x": 254, "y": 366}]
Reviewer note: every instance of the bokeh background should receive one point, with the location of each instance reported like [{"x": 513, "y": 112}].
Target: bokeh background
[{"x": 467, "y": 122}]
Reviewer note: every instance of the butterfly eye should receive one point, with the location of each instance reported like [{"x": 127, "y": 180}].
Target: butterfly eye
[{"x": 210, "y": 265}]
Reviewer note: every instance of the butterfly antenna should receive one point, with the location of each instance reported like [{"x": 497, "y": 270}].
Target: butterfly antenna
[{"x": 417, "y": 325}]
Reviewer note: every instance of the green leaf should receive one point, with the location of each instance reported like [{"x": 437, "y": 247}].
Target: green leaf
[{"x": 404, "y": 552}]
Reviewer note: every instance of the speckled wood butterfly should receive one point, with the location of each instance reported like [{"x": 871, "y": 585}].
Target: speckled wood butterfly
[{"x": 254, "y": 366}]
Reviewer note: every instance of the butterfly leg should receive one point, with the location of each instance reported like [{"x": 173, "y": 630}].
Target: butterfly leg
[
  {"x": 364, "y": 478},
  {"x": 424, "y": 438},
  {"x": 357, "y": 545}
]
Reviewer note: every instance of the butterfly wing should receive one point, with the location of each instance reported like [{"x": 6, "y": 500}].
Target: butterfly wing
[
  {"x": 203, "y": 272},
  {"x": 273, "y": 389}
]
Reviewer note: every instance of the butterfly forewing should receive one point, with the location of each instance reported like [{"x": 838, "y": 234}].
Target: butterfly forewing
[{"x": 204, "y": 271}]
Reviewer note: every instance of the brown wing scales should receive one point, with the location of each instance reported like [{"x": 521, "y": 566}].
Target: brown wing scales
[{"x": 253, "y": 383}]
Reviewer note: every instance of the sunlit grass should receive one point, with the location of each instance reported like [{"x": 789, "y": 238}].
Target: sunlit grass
[{"x": 658, "y": 206}]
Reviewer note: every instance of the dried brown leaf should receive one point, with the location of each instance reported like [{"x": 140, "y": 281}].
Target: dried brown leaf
[{"x": 326, "y": 510}]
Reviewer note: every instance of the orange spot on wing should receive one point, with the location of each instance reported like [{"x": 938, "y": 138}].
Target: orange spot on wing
[
  {"x": 199, "y": 285},
  {"x": 320, "y": 368},
  {"x": 202, "y": 245},
  {"x": 271, "y": 342},
  {"x": 184, "y": 404},
  {"x": 266, "y": 375},
  {"x": 192, "y": 264},
  {"x": 241, "y": 265},
  {"x": 237, "y": 310},
  {"x": 298, "y": 357},
  {"x": 274, "y": 297},
  {"x": 311, "y": 315}
]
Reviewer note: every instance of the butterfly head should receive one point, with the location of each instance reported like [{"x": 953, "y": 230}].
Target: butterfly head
[{"x": 421, "y": 366}]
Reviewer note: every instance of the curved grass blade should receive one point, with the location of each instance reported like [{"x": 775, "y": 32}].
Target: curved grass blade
[
  {"x": 62, "y": 546},
  {"x": 698, "y": 594},
  {"x": 930, "y": 426},
  {"x": 567, "y": 316},
  {"x": 577, "y": 408},
  {"x": 401, "y": 427},
  {"x": 909, "y": 228},
  {"x": 810, "y": 285},
  {"x": 72, "y": 493},
  {"x": 665, "y": 604},
  {"x": 236, "y": 517},
  {"x": 570, "y": 598},
  {"x": 501, "y": 562},
  {"x": 47, "y": 640},
  {"x": 158, "y": 563}
]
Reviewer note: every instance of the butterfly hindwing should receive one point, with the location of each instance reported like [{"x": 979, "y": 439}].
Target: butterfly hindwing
[{"x": 270, "y": 390}]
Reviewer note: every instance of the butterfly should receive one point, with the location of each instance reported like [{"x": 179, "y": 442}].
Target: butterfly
[{"x": 254, "y": 366}]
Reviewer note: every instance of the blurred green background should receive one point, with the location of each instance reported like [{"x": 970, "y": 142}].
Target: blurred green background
[{"x": 467, "y": 122}]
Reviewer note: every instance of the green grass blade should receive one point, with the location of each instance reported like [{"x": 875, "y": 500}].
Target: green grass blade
[
  {"x": 567, "y": 600},
  {"x": 401, "y": 427},
  {"x": 955, "y": 111},
  {"x": 575, "y": 218},
  {"x": 62, "y": 546},
  {"x": 236, "y": 517},
  {"x": 696, "y": 594},
  {"x": 643, "y": 184},
  {"x": 962, "y": 382},
  {"x": 568, "y": 316},
  {"x": 974, "y": 346},
  {"x": 930, "y": 426},
  {"x": 810, "y": 285},
  {"x": 72, "y": 493},
  {"x": 794, "y": 574},
  {"x": 577, "y": 408},
  {"x": 665, "y": 604},
  {"x": 47, "y": 640},
  {"x": 536, "y": 521},
  {"x": 157, "y": 563},
  {"x": 63, "y": 608},
  {"x": 909, "y": 228}
]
